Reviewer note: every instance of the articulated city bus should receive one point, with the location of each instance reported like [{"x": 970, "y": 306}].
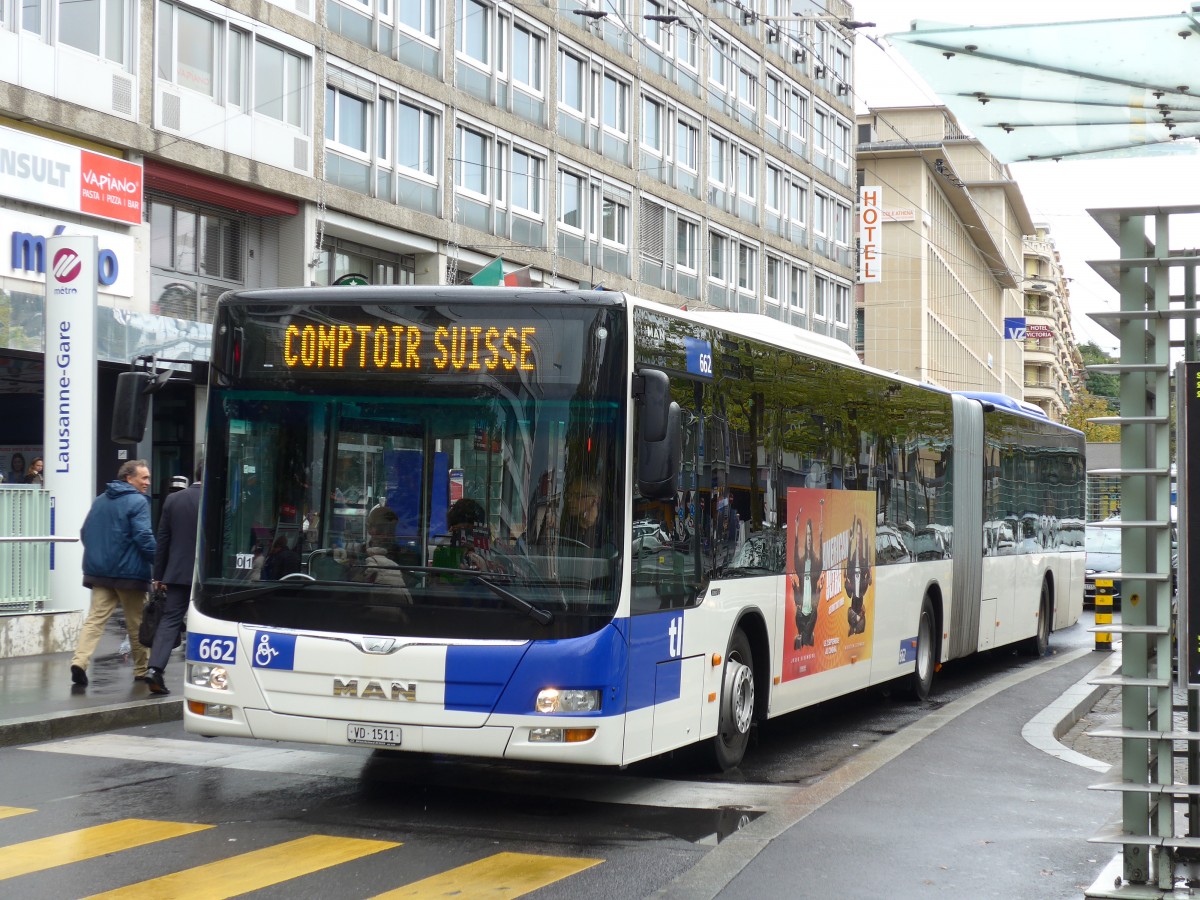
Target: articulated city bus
[{"x": 572, "y": 526}]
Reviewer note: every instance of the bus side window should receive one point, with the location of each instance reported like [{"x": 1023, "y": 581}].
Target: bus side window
[{"x": 662, "y": 542}]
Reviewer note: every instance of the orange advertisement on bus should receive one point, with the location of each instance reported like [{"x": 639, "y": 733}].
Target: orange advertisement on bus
[{"x": 830, "y": 585}]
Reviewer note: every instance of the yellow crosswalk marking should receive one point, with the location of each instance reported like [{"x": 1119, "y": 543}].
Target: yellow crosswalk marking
[
  {"x": 251, "y": 871},
  {"x": 87, "y": 843},
  {"x": 7, "y": 811},
  {"x": 501, "y": 876}
]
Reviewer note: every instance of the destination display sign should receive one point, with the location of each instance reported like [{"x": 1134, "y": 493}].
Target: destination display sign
[
  {"x": 373, "y": 346},
  {"x": 387, "y": 346}
]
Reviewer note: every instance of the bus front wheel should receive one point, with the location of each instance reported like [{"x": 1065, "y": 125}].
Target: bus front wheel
[{"x": 737, "y": 704}]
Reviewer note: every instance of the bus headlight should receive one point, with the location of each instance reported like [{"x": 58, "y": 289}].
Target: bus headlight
[
  {"x": 207, "y": 676},
  {"x": 552, "y": 700}
]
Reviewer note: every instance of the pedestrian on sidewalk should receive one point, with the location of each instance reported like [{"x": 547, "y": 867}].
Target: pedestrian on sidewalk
[
  {"x": 174, "y": 560},
  {"x": 118, "y": 548}
]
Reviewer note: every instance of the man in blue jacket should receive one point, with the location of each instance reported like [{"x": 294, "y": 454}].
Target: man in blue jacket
[
  {"x": 118, "y": 548},
  {"x": 174, "y": 560}
]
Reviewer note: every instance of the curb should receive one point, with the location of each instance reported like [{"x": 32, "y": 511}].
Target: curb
[
  {"x": 1044, "y": 730},
  {"x": 35, "y": 729}
]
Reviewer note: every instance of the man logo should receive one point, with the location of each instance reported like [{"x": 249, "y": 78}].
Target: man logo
[{"x": 67, "y": 265}]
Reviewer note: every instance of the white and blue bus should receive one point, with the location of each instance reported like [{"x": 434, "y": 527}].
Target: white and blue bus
[{"x": 571, "y": 526}]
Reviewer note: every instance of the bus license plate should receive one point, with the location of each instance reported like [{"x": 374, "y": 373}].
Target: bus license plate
[{"x": 379, "y": 735}]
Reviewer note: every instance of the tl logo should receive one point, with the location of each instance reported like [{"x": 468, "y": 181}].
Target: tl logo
[{"x": 675, "y": 637}]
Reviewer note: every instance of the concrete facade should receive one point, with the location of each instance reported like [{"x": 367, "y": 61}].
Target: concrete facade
[
  {"x": 694, "y": 154},
  {"x": 1053, "y": 365},
  {"x": 952, "y": 265}
]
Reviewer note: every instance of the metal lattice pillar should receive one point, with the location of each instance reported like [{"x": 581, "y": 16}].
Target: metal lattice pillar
[{"x": 1148, "y": 836}]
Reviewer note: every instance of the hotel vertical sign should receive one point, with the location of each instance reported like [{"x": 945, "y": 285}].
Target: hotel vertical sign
[
  {"x": 70, "y": 404},
  {"x": 870, "y": 234}
]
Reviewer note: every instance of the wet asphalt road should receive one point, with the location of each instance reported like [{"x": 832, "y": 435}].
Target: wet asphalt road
[{"x": 430, "y": 816}]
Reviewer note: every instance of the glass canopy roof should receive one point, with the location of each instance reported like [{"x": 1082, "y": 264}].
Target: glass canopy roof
[{"x": 1114, "y": 87}]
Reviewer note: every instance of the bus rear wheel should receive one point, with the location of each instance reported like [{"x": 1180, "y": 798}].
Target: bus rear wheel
[
  {"x": 920, "y": 682},
  {"x": 737, "y": 704},
  {"x": 1038, "y": 645}
]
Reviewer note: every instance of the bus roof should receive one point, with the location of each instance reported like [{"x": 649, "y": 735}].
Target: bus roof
[
  {"x": 1006, "y": 402},
  {"x": 765, "y": 329}
]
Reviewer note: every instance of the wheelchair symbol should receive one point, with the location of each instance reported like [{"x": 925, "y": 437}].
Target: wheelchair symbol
[{"x": 264, "y": 653}]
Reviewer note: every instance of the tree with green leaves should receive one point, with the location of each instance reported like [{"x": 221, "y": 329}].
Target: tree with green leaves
[
  {"x": 1101, "y": 384},
  {"x": 1087, "y": 405}
]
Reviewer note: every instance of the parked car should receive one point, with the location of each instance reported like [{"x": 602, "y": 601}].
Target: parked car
[
  {"x": 1102, "y": 544},
  {"x": 649, "y": 538}
]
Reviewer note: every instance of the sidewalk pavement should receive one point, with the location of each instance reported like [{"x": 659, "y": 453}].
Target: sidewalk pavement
[
  {"x": 977, "y": 799},
  {"x": 38, "y": 702}
]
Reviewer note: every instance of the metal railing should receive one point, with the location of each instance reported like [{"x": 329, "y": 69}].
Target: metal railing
[{"x": 25, "y": 539}]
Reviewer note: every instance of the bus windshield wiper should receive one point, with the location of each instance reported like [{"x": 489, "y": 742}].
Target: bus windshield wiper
[
  {"x": 296, "y": 581},
  {"x": 539, "y": 615}
]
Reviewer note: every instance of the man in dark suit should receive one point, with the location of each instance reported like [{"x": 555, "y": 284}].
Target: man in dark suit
[{"x": 174, "y": 560}]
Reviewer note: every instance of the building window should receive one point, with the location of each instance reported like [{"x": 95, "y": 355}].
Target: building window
[
  {"x": 571, "y": 74},
  {"x": 718, "y": 156},
  {"x": 841, "y": 232},
  {"x": 773, "y": 201},
  {"x": 797, "y": 203},
  {"x": 747, "y": 268},
  {"x": 821, "y": 297},
  {"x": 196, "y": 254},
  {"x": 527, "y": 174},
  {"x": 842, "y": 143},
  {"x": 775, "y": 108},
  {"x": 419, "y": 16},
  {"x": 797, "y": 115},
  {"x": 822, "y": 211},
  {"x": 652, "y": 113},
  {"x": 821, "y": 129},
  {"x": 747, "y": 88},
  {"x": 774, "y": 287},
  {"x": 279, "y": 83},
  {"x": 841, "y": 304},
  {"x": 529, "y": 50},
  {"x": 417, "y": 139},
  {"x": 718, "y": 62},
  {"x": 187, "y": 49},
  {"x": 570, "y": 200},
  {"x": 616, "y": 105},
  {"x": 687, "y": 47},
  {"x": 98, "y": 27},
  {"x": 747, "y": 174},
  {"x": 687, "y": 245},
  {"x": 474, "y": 31},
  {"x": 616, "y": 221},
  {"x": 797, "y": 284},
  {"x": 346, "y": 118},
  {"x": 687, "y": 146},
  {"x": 341, "y": 257},
  {"x": 473, "y": 154},
  {"x": 718, "y": 257}
]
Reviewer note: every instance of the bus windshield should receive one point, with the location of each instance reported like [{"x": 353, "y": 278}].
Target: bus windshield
[{"x": 463, "y": 505}]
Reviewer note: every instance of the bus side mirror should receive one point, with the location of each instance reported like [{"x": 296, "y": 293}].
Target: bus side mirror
[
  {"x": 660, "y": 445},
  {"x": 652, "y": 389},
  {"x": 659, "y": 461},
  {"x": 131, "y": 406}
]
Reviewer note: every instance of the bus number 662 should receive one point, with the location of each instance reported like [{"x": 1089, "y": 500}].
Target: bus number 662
[{"x": 217, "y": 649}]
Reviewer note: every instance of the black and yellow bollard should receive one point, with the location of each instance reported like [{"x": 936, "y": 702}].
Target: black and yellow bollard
[{"x": 1104, "y": 605}]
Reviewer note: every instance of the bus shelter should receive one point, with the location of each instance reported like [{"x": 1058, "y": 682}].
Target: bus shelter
[{"x": 1093, "y": 89}]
